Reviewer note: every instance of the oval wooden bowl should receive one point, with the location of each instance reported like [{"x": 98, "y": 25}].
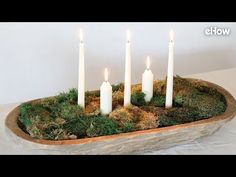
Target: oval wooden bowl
[{"x": 138, "y": 141}]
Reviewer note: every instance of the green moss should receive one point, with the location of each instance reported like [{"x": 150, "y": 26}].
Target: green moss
[
  {"x": 206, "y": 105},
  {"x": 100, "y": 125},
  {"x": 69, "y": 111},
  {"x": 25, "y": 111},
  {"x": 73, "y": 95},
  {"x": 92, "y": 93},
  {"x": 176, "y": 116},
  {"x": 77, "y": 126},
  {"x": 70, "y": 96},
  {"x": 35, "y": 132},
  {"x": 158, "y": 101},
  {"x": 192, "y": 101},
  {"x": 178, "y": 101},
  {"x": 52, "y": 106},
  {"x": 137, "y": 99},
  {"x": 128, "y": 127},
  {"x": 54, "y": 132},
  {"x": 91, "y": 126},
  {"x": 30, "y": 114},
  {"x": 118, "y": 87},
  {"x": 59, "y": 117}
]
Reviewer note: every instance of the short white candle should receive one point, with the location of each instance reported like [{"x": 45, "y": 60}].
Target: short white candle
[
  {"x": 81, "y": 85},
  {"x": 147, "y": 82},
  {"x": 127, "y": 86},
  {"x": 106, "y": 95},
  {"x": 169, "y": 86}
]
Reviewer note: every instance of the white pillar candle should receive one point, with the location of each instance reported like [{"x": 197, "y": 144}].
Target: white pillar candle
[
  {"x": 127, "y": 86},
  {"x": 147, "y": 82},
  {"x": 81, "y": 84},
  {"x": 106, "y": 95},
  {"x": 169, "y": 86}
]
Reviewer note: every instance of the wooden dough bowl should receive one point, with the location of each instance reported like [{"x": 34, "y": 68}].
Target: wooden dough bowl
[{"x": 138, "y": 141}]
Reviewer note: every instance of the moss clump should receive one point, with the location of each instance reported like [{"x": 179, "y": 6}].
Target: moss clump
[
  {"x": 93, "y": 107},
  {"x": 136, "y": 88},
  {"x": 91, "y": 95},
  {"x": 193, "y": 100},
  {"x": 122, "y": 116},
  {"x": 147, "y": 121},
  {"x": 77, "y": 126},
  {"x": 71, "y": 96},
  {"x": 178, "y": 101},
  {"x": 137, "y": 99},
  {"x": 158, "y": 101},
  {"x": 69, "y": 111},
  {"x": 128, "y": 127},
  {"x": 157, "y": 111},
  {"x": 59, "y": 117},
  {"x": 176, "y": 116},
  {"x": 35, "y": 119},
  {"x": 25, "y": 114},
  {"x": 206, "y": 105},
  {"x": 118, "y": 87},
  {"x": 55, "y": 132},
  {"x": 159, "y": 87},
  {"x": 100, "y": 125},
  {"x": 117, "y": 99},
  {"x": 134, "y": 118},
  {"x": 91, "y": 126}
]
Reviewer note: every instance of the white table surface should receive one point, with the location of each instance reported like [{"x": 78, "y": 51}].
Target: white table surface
[{"x": 221, "y": 142}]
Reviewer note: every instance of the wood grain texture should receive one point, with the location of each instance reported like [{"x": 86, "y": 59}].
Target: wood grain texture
[{"x": 134, "y": 142}]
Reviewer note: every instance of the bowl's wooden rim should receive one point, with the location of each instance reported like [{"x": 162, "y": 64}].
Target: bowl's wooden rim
[{"x": 11, "y": 123}]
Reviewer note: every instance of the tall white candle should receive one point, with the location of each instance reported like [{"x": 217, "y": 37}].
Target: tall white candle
[
  {"x": 106, "y": 95},
  {"x": 127, "y": 87},
  {"x": 147, "y": 82},
  {"x": 81, "y": 82},
  {"x": 169, "y": 87}
]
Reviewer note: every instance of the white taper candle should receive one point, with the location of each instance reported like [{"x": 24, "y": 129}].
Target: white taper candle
[
  {"x": 81, "y": 81},
  {"x": 127, "y": 86},
  {"x": 170, "y": 72}
]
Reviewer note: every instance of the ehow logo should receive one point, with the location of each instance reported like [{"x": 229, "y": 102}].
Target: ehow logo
[{"x": 217, "y": 31}]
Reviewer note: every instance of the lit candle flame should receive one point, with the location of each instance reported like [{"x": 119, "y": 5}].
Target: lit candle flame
[
  {"x": 81, "y": 36},
  {"x": 128, "y": 35},
  {"x": 171, "y": 35},
  {"x": 148, "y": 62},
  {"x": 106, "y": 74}
]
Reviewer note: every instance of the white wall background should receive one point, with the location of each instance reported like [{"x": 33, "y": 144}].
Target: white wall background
[{"x": 41, "y": 59}]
